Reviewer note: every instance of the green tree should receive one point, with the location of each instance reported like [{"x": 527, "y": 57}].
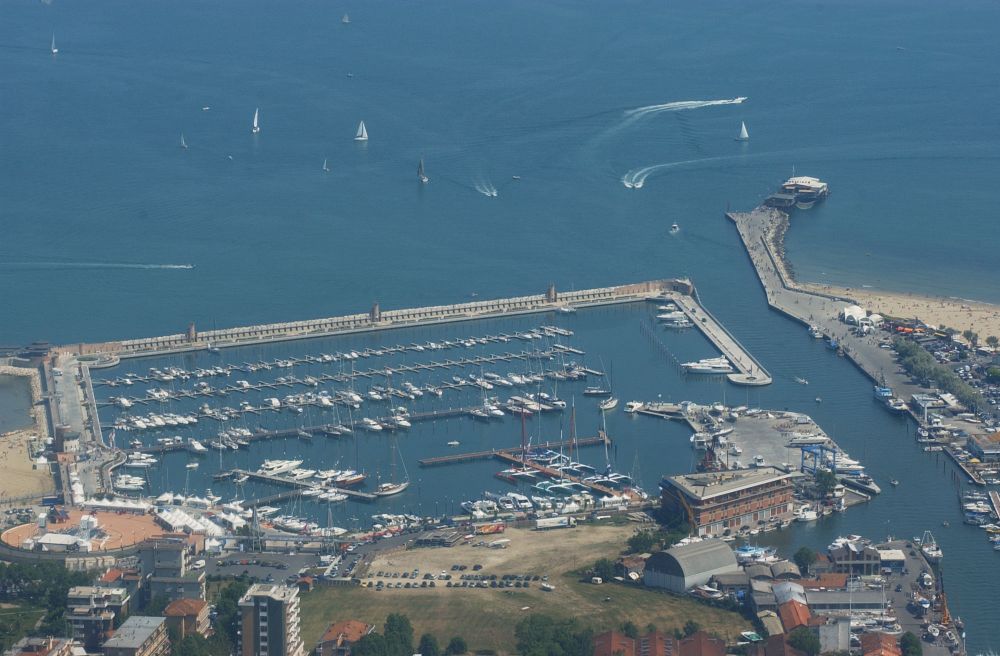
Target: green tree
[
  {"x": 805, "y": 640},
  {"x": 650, "y": 628},
  {"x": 826, "y": 480},
  {"x": 630, "y": 629},
  {"x": 993, "y": 374},
  {"x": 992, "y": 341},
  {"x": 398, "y": 635},
  {"x": 604, "y": 568},
  {"x": 542, "y": 635},
  {"x": 428, "y": 646},
  {"x": 157, "y": 605},
  {"x": 910, "y": 645},
  {"x": 804, "y": 558},
  {"x": 192, "y": 645},
  {"x": 456, "y": 646},
  {"x": 373, "y": 644},
  {"x": 691, "y": 627},
  {"x": 641, "y": 542}
]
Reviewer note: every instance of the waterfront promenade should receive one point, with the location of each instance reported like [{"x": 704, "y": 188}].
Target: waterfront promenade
[{"x": 762, "y": 232}]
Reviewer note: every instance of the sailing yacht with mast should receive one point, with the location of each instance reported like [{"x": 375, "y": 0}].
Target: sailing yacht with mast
[
  {"x": 184, "y": 143},
  {"x": 55, "y": 50},
  {"x": 420, "y": 172},
  {"x": 256, "y": 121},
  {"x": 362, "y": 134},
  {"x": 346, "y": 19},
  {"x": 744, "y": 135},
  {"x": 326, "y": 167},
  {"x": 391, "y": 488}
]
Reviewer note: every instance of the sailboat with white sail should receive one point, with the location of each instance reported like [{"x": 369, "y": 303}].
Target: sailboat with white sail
[
  {"x": 326, "y": 166},
  {"x": 256, "y": 121},
  {"x": 184, "y": 143},
  {"x": 744, "y": 135},
  {"x": 392, "y": 487},
  {"x": 346, "y": 19},
  {"x": 421, "y": 175},
  {"x": 55, "y": 50},
  {"x": 362, "y": 134}
]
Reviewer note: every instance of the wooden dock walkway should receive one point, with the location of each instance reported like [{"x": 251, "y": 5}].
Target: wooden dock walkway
[
  {"x": 496, "y": 453},
  {"x": 555, "y": 473}
]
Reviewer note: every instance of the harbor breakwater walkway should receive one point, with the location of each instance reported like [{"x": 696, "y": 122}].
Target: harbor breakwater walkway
[
  {"x": 376, "y": 319},
  {"x": 762, "y": 231}
]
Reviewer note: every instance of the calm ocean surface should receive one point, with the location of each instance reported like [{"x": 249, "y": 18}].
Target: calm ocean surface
[{"x": 892, "y": 103}]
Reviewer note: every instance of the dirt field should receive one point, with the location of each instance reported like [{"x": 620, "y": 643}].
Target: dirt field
[{"x": 486, "y": 618}]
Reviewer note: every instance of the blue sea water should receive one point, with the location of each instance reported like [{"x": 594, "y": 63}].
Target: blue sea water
[{"x": 892, "y": 103}]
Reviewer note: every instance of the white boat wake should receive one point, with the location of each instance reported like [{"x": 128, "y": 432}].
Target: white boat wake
[
  {"x": 90, "y": 265},
  {"x": 636, "y": 178},
  {"x": 640, "y": 112},
  {"x": 486, "y": 188},
  {"x": 632, "y": 116}
]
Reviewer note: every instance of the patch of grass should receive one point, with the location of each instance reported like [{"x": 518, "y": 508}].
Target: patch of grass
[
  {"x": 16, "y": 621},
  {"x": 486, "y": 617}
]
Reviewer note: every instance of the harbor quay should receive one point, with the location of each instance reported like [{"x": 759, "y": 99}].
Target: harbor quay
[{"x": 762, "y": 232}]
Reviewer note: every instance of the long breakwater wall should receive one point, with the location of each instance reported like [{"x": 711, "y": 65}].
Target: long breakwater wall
[{"x": 377, "y": 319}]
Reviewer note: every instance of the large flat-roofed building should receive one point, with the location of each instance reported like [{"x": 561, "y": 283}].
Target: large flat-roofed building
[
  {"x": 721, "y": 503},
  {"x": 139, "y": 636},
  {"x": 269, "y": 621}
]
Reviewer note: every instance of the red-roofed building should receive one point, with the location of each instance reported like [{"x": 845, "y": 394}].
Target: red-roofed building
[
  {"x": 702, "y": 644},
  {"x": 613, "y": 643},
  {"x": 826, "y": 581},
  {"x": 793, "y": 614},
  {"x": 187, "y": 617},
  {"x": 773, "y": 646},
  {"x": 340, "y": 636},
  {"x": 879, "y": 644}
]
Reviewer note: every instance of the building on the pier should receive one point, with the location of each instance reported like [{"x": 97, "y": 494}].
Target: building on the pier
[
  {"x": 680, "y": 568},
  {"x": 985, "y": 447},
  {"x": 269, "y": 621},
  {"x": 856, "y": 557},
  {"x": 139, "y": 636},
  {"x": 339, "y": 637},
  {"x": 722, "y": 503}
]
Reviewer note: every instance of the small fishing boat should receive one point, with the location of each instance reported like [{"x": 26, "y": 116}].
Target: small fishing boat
[
  {"x": 420, "y": 172},
  {"x": 362, "y": 134},
  {"x": 55, "y": 50},
  {"x": 192, "y": 465},
  {"x": 674, "y": 228},
  {"x": 184, "y": 143},
  {"x": 255, "y": 129},
  {"x": 744, "y": 135}
]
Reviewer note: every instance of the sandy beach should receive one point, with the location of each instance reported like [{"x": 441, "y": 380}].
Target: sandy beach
[
  {"x": 981, "y": 318},
  {"x": 959, "y": 314},
  {"x": 20, "y": 477}
]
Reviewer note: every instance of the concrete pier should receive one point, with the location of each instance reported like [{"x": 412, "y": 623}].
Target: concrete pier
[{"x": 748, "y": 370}]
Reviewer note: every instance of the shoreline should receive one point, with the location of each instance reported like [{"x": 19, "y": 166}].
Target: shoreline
[
  {"x": 953, "y": 312},
  {"x": 23, "y": 478}
]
